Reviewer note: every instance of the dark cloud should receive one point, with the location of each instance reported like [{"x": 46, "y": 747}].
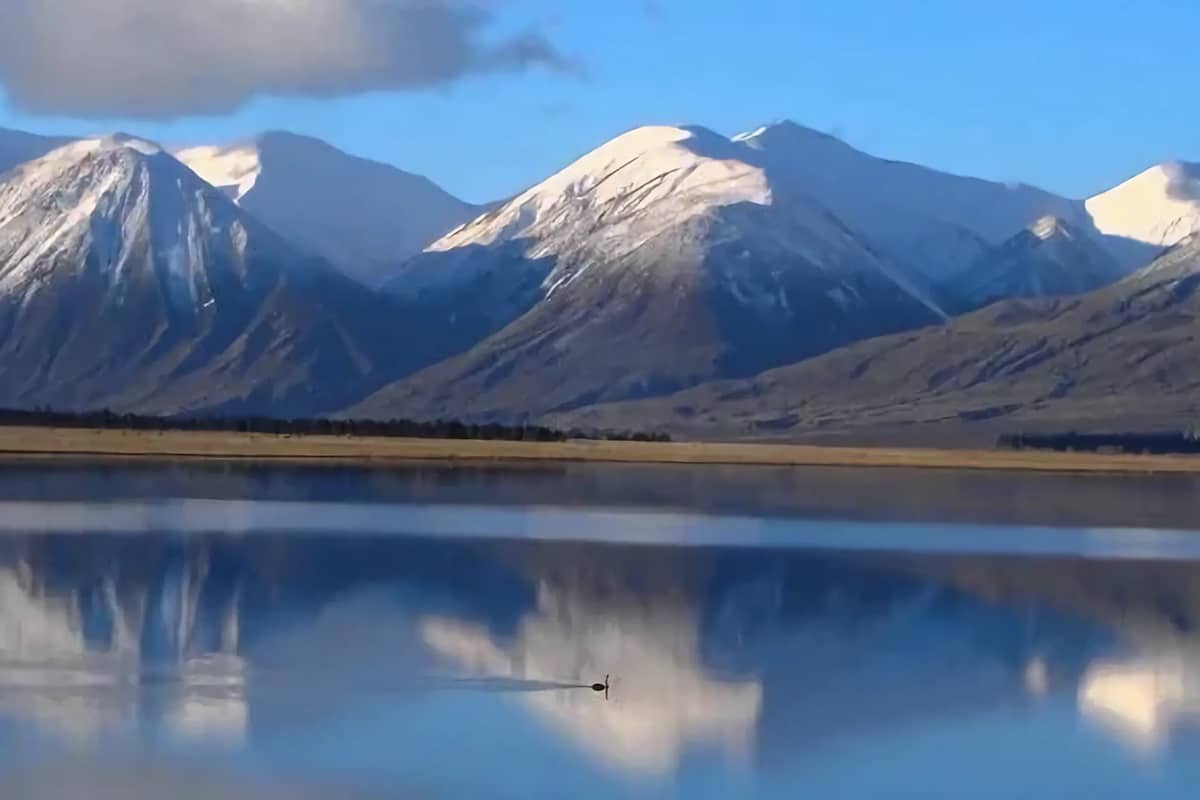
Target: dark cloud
[{"x": 169, "y": 58}]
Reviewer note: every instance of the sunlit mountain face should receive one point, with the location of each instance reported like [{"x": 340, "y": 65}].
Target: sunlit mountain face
[{"x": 446, "y": 663}]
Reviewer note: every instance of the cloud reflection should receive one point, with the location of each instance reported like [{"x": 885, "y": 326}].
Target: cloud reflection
[
  {"x": 662, "y": 701},
  {"x": 208, "y": 702},
  {"x": 1143, "y": 700},
  {"x": 87, "y": 662}
]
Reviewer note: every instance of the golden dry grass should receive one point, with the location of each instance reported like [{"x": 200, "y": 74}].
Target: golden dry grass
[{"x": 107, "y": 445}]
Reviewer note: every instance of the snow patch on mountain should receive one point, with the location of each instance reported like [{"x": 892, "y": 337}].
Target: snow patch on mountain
[
  {"x": 1159, "y": 207},
  {"x": 923, "y": 217},
  {"x": 674, "y": 170},
  {"x": 1048, "y": 228},
  {"x": 234, "y": 169},
  {"x": 362, "y": 216}
]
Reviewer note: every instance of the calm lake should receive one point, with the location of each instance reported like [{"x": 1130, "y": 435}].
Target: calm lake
[{"x": 195, "y": 632}]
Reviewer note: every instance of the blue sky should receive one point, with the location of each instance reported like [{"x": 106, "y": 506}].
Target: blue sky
[{"x": 1067, "y": 94}]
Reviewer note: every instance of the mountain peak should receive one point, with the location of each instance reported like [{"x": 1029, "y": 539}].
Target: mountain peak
[
  {"x": 784, "y": 127},
  {"x": 120, "y": 196},
  {"x": 648, "y": 138},
  {"x": 1159, "y": 206},
  {"x": 113, "y": 143},
  {"x": 235, "y": 167},
  {"x": 280, "y": 135},
  {"x": 362, "y": 216},
  {"x": 285, "y": 144},
  {"x": 114, "y": 154},
  {"x": 791, "y": 137},
  {"x": 688, "y": 169},
  {"x": 1051, "y": 227},
  {"x": 99, "y": 167},
  {"x": 125, "y": 141},
  {"x": 1049, "y": 258},
  {"x": 1177, "y": 180}
]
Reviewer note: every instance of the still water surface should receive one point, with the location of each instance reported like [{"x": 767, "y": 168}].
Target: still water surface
[{"x": 358, "y": 635}]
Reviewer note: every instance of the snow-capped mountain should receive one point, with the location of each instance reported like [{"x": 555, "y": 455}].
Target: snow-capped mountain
[
  {"x": 932, "y": 221},
  {"x": 1048, "y": 259},
  {"x": 361, "y": 216},
  {"x": 17, "y": 147},
  {"x": 127, "y": 282},
  {"x": 667, "y": 256},
  {"x": 104, "y": 204},
  {"x": 1159, "y": 207}
]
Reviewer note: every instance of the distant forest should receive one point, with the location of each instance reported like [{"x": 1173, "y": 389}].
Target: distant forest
[
  {"x": 398, "y": 428},
  {"x": 1156, "y": 443}
]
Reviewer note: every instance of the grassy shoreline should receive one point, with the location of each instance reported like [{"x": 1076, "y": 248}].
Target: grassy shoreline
[{"x": 86, "y": 445}]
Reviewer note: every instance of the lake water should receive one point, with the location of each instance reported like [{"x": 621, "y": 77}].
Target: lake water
[{"x": 433, "y": 632}]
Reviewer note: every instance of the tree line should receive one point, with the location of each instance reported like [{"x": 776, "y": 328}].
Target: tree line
[
  {"x": 1181, "y": 442},
  {"x": 396, "y": 428}
]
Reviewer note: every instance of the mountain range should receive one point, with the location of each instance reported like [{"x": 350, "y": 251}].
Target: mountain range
[
  {"x": 778, "y": 283},
  {"x": 128, "y": 282},
  {"x": 667, "y": 257}
]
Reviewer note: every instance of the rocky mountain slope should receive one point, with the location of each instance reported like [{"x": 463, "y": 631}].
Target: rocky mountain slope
[{"x": 1120, "y": 357}]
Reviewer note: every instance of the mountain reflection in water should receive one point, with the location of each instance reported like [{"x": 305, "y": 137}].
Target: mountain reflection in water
[{"x": 396, "y": 667}]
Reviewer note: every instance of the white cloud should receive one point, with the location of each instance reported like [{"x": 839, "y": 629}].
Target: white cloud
[{"x": 168, "y": 58}]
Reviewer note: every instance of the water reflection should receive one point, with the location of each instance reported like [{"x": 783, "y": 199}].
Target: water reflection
[
  {"x": 370, "y": 663},
  {"x": 1144, "y": 699},
  {"x": 976, "y": 496},
  {"x": 585, "y": 622}
]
